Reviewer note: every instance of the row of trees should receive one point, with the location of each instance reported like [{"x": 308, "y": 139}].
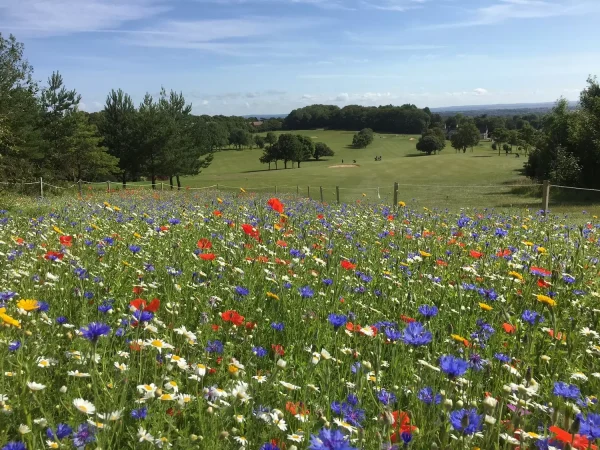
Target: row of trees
[
  {"x": 292, "y": 148},
  {"x": 567, "y": 149}
]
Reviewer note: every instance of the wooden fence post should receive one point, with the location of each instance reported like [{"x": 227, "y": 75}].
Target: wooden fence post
[
  {"x": 396, "y": 195},
  {"x": 275, "y": 189},
  {"x": 321, "y": 189},
  {"x": 545, "y": 196},
  {"x": 108, "y": 186},
  {"x": 308, "y": 191},
  {"x": 79, "y": 187},
  {"x": 297, "y": 190},
  {"x": 41, "y": 188},
  {"x": 162, "y": 186},
  {"x": 337, "y": 194}
]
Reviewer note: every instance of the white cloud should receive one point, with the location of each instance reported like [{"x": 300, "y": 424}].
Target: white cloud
[
  {"x": 394, "y": 5},
  {"x": 62, "y": 17},
  {"x": 343, "y": 97},
  {"x": 480, "y": 91}
]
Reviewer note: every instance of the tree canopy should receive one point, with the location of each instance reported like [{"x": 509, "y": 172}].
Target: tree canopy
[{"x": 363, "y": 138}]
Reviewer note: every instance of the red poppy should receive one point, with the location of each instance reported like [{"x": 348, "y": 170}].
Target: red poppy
[
  {"x": 141, "y": 304},
  {"x": 52, "y": 256},
  {"x": 281, "y": 243},
  {"x": 351, "y": 327},
  {"x": 275, "y": 205},
  {"x": 233, "y": 316},
  {"x": 20, "y": 241},
  {"x": 278, "y": 349},
  {"x": 320, "y": 216},
  {"x": 250, "y": 231},
  {"x": 540, "y": 271},
  {"x": 135, "y": 347},
  {"x": 476, "y": 254},
  {"x": 217, "y": 213},
  {"x": 164, "y": 228},
  {"x": 510, "y": 329},
  {"x": 207, "y": 256},
  {"x": 204, "y": 244},
  {"x": 406, "y": 319},
  {"x": 215, "y": 327},
  {"x": 503, "y": 253},
  {"x": 262, "y": 259},
  {"x": 137, "y": 290},
  {"x": 578, "y": 441},
  {"x": 390, "y": 217},
  {"x": 542, "y": 283},
  {"x": 67, "y": 241},
  {"x": 348, "y": 265},
  {"x": 250, "y": 325},
  {"x": 401, "y": 425}
]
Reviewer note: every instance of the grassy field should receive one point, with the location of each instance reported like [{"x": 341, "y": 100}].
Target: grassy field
[{"x": 400, "y": 163}]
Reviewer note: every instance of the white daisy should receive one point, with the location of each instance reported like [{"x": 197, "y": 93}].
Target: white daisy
[
  {"x": 84, "y": 406},
  {"x": 35, "y": 386}
]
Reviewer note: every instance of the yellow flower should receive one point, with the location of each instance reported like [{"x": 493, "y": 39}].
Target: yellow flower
[
  {"x": 219, "y": 200},
  {"x": 95, "y": 227},
  {"x": 28, "y": 305},
  {"x": 424, "y": 254},
  {"x": 271, "y": 295},
  {"x": 125, "y": 263},
  {"x": 116, "y": 208},
  {"x": 58, "y": 230},
  {"x": 242, "y": 190},
  {"x": 9, "y": 320},
  {"x": 541, "y": 250},
  {"x": 232, "y": 368},
  {"x": 107, "y": 204},
  {"x": 545, "y": 299},
  {"x": 528, "y": 244},
  {"x": 401, "y": 204},
  {"x": 277, "y": 227},
  {"x": 364, "y": 195},
  {"x": 457, "y": 337},
  {"x": 516, "y": 275},
  {"x": 524, "y": 227},
  {"x": 137, "y": 235},
  {"x": 485, "y": 306}
]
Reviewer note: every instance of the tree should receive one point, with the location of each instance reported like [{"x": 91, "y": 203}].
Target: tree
[
  {"x": 271, "y": 138},
  {"x": 321, "y": 150},
  {"x": 500, "y": 136},
  {"x": 363, "y": 138},
  {"x": 154, "y": 134},
  {"x": 466, "y": 136},
  {"x": 239, "y": 138},
  {"x": 213, "y": 134},
  {"x": 288, "y": 147},
  {"x": 85, "y": 158},
  {"x": 57, "y": 123},
  {"x": 527, "y": 136},
  {"x": 259, "y": 141},
  {"x": 118, "y": 128},
  {"x": 19, "y": 112},
  {"x": 306, "y": 151},
  {"x": 432, "y": 141}
]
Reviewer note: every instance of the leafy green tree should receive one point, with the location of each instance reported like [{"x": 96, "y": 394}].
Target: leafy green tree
[
  {"x": 270, "y": 155},
  {"x": 259, "y": 141},
  {"x": 467, "y": 136},
  {"x": 20, "y": 156},
  {"x": 271, "y": 138},
  {"x": 154, "y": 134},
  {"x": 288, "y": 147},
  {"x": 527, "y": 136},
  {"x": 432, "y": 140},
  {"x": 500, "y": 136},
  {"x": 363, "y": 138},
  {"x": 239, "y": 138},
  {"x": 84, "y": 158},
  {"x": 322, "y": 149},
  {"x": 117, "y": 125},
  {"x": 306, "y": 151}
]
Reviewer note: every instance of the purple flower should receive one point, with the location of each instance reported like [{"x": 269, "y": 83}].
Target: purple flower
[
  {"x": 14, "y": 346},
  {"x": 427, "y": 396},
  {"x": 259, "y": 351},
  {"x": 502, "y": 357},
  {"x": 476, "y": 362},
  {"x": 392, "y": 334},
  {"x": 329, "y": 440},
  {"x": 306, "y": 292},
  {"x": 467, "y": 421},
  {"x": 415, "y": 334},
  {"x": 532, "y": 317},
  {"x": 94, "y": 331},
  {"x": 453, "y": 366},
  {"x": 428, "y": 311},
  {"x": 590, "y": 426},
  {"x": 278, "y": 326},
  {"x": 135, "y": 249},
  {"x": 568, "y": 391},
  {"x": 215, "y": 346},
  {"x": 386, "y": 397},
  {"x": 15, "y": 445},
  {"x": 241, "y": 291},
  {"x": 139, "y": 414},
  {"x": 337, "y": 320},
  {"x": 84, "y": 435},
  {"x": 269, "y": 446}
]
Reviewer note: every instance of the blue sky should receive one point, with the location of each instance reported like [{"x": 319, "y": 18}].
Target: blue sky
[{"x": 270, "y": 56}]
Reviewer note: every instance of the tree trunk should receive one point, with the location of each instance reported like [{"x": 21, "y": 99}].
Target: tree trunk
[
  {"x": 178, "y": 182},
  {"x": 298, "y": 164},
  {"x": 153, "y": 181},
  {"x": 124, "y": 181},
  {"x": 171, "y": 181},
  {"x": 275, "y": 164},
  {"x": 269, "y": 165},
  {"x": 285, "y": 163}
]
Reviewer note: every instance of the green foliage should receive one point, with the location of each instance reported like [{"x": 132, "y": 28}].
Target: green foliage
[
  {"x": 259, "y": 141},
  {"x": 306, "y": 150},
  {"x": 433, "y": 140},
  {"x": 288, "y": 148},
  {"x": 467, "y": 136},
  {"x": 363, "y": 138},
  {"x": 322, "y": 149},
  {"x": 239, "y": 138}
]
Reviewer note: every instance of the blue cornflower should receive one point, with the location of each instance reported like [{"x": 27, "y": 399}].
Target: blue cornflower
[
  {"x": 149, "y": 267},
  {"x": 278, "y": 326},
  {"x": 14, "y": 445},
  {"x": 327, "y": 281},
  {"x": 108, "y": 240},
  {"x": 61, "y": 320},
  {"x": 259, "y": 351},
  {"x": 568, "y": 391},
  {"x": 14, "y": 346},
  {"x": 174, "y": 221},
  {"x": 269, "y": 446},
  {"x": 502, "y": 357},
  {"x": 590, "y": 426},
  {"x": 500, "y": 232},
  {"x": 43, "y": 306},
  {"x": 287, "y": 285},
  {"x": 241, "y": 291},
  {"x": 135, "y": 248},
  {"x": 476, "y": 362},
  {"x": 466, "y": 421},
  {"x": 428, "y": 311},
  {"x": 306, "y": 292},
  {"x": 415, "y": 334},
  {"x": 62, "y": 431},
  {"x": 119, "y": 332},
  {"x": 569, "y": 279},
  {"x": 105, "y": 306},
  {"x": 386, "y": 397},
  {"x": 406, "y": 437},
  {"x": 139, "y": 414},
  {"x": 427, "y": 396},
  {"x": 94, "y": 331},
  {"x": 352, "y": 399},
  {"x": 453, "y": 366},
  {"x": 329, "y": 440},
  {"x": 532, "y": 317},
  {"x": 88, "y": 295},
  {"x": 215, "y": 346},
  {"x": 84, "y": 435},
  {"x": 354, "y": 416},
  {"x": 6, "y": 295},
  {"x": 392, "y": 334},
  {"x": 337, "y": 320},
  {"x": 143, "y": 316}
]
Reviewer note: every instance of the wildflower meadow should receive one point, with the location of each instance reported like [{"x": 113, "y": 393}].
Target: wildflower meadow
[{"x": 189, "y": 321}]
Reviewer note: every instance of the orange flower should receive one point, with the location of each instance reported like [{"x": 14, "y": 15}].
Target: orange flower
[
  {"x": 475, "y": 254},
  {"x": 510, "y": 329},
  {"x": 282, "y": 243},
  {"x": 207, "y": 256},
  {"x": 67, "y": 241},
  {"x": 275, "y": 205},
  {"x": 233, "y": 316},
  {"x": 217, "y": 213},
  {"x": 348, "y": 265},
  {"x": 204, "y": 244}
]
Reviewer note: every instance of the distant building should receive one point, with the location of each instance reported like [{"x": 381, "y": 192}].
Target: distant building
[
  {"x": 485, "y": 136},
  {"x": 256, "y": 124}
]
